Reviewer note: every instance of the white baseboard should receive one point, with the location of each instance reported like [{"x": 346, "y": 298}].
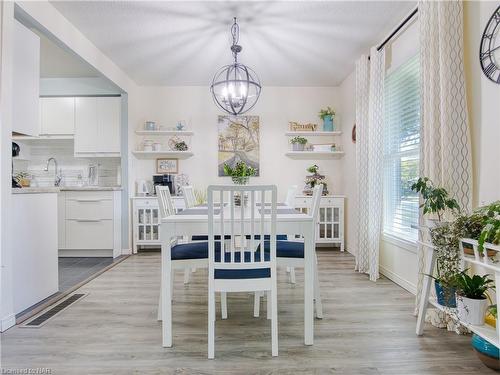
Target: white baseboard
[
  {"x": 126, "y": 251},
  {"x": 7, "y": 322},
  {"x": 412, "y": 288}
]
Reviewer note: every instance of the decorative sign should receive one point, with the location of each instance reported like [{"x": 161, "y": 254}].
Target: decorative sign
[
  {"x": 296, "y": 127},
  {"x": 167, "y": 166}
]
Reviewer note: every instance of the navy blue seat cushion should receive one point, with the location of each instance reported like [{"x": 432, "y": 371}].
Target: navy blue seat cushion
[
  {"x": 256, "y": 273},
  {"x": 267, "y": 237},
  {"x": 279, "y": 237},
  {"x": 205, "y": 238},
  {"x": 287, "y": 249}
]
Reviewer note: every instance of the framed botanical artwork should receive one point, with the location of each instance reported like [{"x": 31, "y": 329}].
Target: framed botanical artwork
[{"x": 167, "y": 166}]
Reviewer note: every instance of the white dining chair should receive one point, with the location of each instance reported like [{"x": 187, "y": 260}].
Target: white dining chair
[
  {"x": 190, "y": 201},
  {"x": 291, "y": 254},
  {"x": 290, "y": 195},
  {"x": 185, "y": 256},
  {"x": 290, "y": 201},
  {"x": 242, "y": 264},
  {"x": 189, "y": 198}
]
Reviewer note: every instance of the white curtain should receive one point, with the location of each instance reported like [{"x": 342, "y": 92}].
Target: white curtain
[
  {"x": 445, "y": 148},
  {"x": 370, "y": 74}
]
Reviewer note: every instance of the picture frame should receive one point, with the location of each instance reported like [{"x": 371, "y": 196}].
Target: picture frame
[{"x": 167, "y": 166}]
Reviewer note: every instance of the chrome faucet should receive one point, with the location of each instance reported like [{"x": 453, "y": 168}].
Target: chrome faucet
[{"x": 58, "y": 177}]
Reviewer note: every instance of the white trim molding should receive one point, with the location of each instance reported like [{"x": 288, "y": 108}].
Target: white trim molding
[
  {"x": 7, "y": 322},
  {"x": 410, "y": 287}
]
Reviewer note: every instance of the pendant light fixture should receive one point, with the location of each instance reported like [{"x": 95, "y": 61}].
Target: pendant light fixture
[{"x": 236, "y": 87}]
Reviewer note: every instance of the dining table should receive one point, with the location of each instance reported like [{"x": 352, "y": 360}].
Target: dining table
[{"x": 194, "y": 221}]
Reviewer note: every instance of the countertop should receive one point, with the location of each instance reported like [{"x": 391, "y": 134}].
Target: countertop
[{"x": 57, "y": 189}]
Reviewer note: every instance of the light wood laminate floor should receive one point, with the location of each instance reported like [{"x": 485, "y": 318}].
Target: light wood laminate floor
[{"x": 368, "y": 328}]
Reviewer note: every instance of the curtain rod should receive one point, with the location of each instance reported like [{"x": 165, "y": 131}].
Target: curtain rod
[{"x": 401, "y": 25}]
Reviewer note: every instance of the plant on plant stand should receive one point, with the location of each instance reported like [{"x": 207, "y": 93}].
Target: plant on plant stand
[
  {"x": 491, "y": 230},
  {"x": 436, "y": 202},
  {"x": 327, "y": 116},
  {"x": 314, "y": 179},
  {"x": 240, "y": 175},
  {"x": 298, "y": 143},
  {"x": 472, "y": 297}
]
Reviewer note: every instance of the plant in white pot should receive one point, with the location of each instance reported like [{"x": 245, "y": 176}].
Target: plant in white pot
[
  {"x": 298, "y": 143},
  {"x": 472, "y": 298}
]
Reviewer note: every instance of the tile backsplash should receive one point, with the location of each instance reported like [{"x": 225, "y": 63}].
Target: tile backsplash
[{"x": 74, "y": 170}]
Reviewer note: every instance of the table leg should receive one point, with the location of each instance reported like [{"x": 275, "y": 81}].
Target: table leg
[
  {"x": 308, "y": 286},
  {"x": 430, "y": 259},
  {"x": 166, "y": 274}
]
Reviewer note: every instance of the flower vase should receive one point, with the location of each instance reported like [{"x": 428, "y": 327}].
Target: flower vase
[
  {"x": 328, "y": 123},
  {"x": 298, "y": 147}
]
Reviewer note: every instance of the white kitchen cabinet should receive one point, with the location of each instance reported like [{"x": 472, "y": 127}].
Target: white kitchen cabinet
[
  {"x": 146, "y": 220},
  {"x": 57, "y": 116},
  {"x": 91, "y": 224},
  {"x": 25, "y": 81},
  {"x": 97, "y": 126},
  {"x": 330, "y": 227}
]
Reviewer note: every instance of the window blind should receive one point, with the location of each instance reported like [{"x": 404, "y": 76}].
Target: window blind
[{"x": 401, "y": 149}]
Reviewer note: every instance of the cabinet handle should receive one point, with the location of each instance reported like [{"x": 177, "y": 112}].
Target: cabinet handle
[
  {"x": 89, "y": 200},
  {"x": 88, "y": 220}
]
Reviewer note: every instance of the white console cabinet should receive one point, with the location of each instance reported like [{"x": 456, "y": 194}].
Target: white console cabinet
[
  {"x": 146, "y": 220},
  {"x": 330, "y": 229}
]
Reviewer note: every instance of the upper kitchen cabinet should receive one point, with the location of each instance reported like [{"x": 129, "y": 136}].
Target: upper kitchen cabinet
[
  {"x": 26, "y": 81},
  {"x": 57, "y": 116},
  {"x": 97, "y": 126}
]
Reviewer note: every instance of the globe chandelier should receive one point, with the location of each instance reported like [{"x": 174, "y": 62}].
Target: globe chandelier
[{"x": 236, "y": 87}]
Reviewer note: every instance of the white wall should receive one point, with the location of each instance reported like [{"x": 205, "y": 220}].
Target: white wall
[{"x": 276, "y": 106}]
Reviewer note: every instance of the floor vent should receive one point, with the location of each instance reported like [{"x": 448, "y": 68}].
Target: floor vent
[{"x": 41, "y": 319}]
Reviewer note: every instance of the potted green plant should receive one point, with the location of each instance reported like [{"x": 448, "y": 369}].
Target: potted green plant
[
  {"x": 241, "y": 172},
  {"x": 472, "y": 297},
  {"x": 436, "y": 200},
  {"x": 490, "y": 233},
  {"x": 298, "y": 143},
  {"x": 327, "y": 116},
  {"x": 314, "y": 179},
  {"x": 180, "y": 146}
]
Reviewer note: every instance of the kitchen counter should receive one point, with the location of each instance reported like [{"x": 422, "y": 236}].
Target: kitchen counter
[
  {"x": 56, "y": 189},
  {"x": 36, "y": 190}
]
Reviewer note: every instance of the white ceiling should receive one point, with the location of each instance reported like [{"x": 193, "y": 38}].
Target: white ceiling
[{"x": 184, "y": 43}]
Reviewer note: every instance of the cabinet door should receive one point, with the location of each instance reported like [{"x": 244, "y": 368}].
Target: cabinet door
[
  {"x": 57, "y": 116},
  {"x": 109, "y": 123},
  {"x": 86, "y": 125},
  {"x": 25, "y": 81}
]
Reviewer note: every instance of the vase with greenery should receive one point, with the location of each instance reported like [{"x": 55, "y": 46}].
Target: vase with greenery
[
  {"x": 314, "y": 179},
  {"x": 240, "y": 173},
  {"x": 472, "y": 297},
  {"x": 327, "y": 116},
  {"x": 298, "y": 143}
]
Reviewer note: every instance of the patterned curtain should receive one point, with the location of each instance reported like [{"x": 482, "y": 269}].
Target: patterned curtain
[
  {"x": 369, "y": 159},
  {"x": 445, "y": 147}
]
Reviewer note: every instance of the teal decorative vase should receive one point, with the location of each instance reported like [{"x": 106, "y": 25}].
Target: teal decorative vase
[{"x": 328, "y": 124}]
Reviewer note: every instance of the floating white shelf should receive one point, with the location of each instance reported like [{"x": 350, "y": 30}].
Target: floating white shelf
[
  {"x": 165, "y": 132},
  {"x": 315, "y": 154},
  {"x": 313, "y": 134},
  {"x": 165, "y": 154},
  {"x": 28, "y": 139}
]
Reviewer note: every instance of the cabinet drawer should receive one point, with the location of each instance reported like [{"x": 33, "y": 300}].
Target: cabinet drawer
[
  {"x": 89, "y": 195},
  {"x": 87, "y": 208},
  {"x": 89, "y": 234},
  {"x": 330, "y": 201},
  {"x": 147, "y": 203},
  {"x": 302, "y": 202}
]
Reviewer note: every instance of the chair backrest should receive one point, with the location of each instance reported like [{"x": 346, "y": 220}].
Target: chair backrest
[
  {"x": 165, "y": 202},
  {"x": 290, "y": 196},
  {"x": 243, "y": 216},
  {"x": 189, "y": 198},
  {"x": 316, "y": 200}
]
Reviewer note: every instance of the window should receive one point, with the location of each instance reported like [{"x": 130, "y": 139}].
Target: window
[{"x": 401, "y": 149}]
